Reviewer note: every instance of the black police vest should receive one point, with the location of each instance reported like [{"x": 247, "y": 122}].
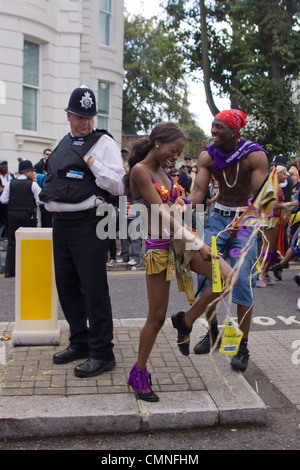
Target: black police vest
[
  {"x": 68, "y": 178},
  {"x": 20, "y": 195}
]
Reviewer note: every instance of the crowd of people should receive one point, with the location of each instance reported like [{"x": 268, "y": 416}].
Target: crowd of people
[
  {"x": 87, "y": 169},
  {"x": 286, "y": 246}
]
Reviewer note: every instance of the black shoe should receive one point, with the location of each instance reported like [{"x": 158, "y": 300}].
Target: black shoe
[
  {"x": 9, "y": 275},
  {"x": 69, "y": 354},
  {"x": 297, "y": 280},
  {"x": 150, "y": 397},
  {"x": 204, "y": 346},
  {"x": 277, "y": 271},
  {"x": 93, "y": 367},
  {"x": 240, "y": 361},
  {"x": 180, "y": 325}
]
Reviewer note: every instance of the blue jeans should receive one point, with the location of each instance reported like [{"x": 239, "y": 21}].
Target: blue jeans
[
  {"x": 242, "y": 294},
  {"x": 136, "y": 247}
]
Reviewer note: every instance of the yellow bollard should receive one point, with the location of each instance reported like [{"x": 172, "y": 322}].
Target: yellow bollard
[{"x": 36, "y": 300}]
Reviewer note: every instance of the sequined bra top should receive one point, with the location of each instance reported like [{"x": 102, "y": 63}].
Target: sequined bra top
[{"x": 165, "y": 195}]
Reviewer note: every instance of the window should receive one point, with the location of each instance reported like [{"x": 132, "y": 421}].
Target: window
[
  {"x": 104, "y": 22},
  {"x": 103, "y": 105},
  {"x": 31, "y": 59}
]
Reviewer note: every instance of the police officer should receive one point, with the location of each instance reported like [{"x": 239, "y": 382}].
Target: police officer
[
  {"x": 22, "y": 196},
  {"x": 81, "y": 172}
]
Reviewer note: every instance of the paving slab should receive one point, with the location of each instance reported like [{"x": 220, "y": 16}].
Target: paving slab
[{"x": 40, "y": 416}]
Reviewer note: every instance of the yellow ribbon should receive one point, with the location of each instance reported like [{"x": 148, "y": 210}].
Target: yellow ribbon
[{"x": 216, "y": 274}]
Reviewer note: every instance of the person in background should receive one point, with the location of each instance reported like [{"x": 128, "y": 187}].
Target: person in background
[
  {"x": 125, "y": 153},
  {"x": 193, "y": 173},
  {"x": 188, "y": 161},
  {"x": 40, "y": 167},
  {"x": 175, "y": 177},
  {"x": 295, "y": 207},
  {"x": 211, "y": 197},
  {"x": 5, "y": 177},
  {"x": 292, "y": 252},
  {"x": 271, "y": 232},
  {"x": 287, "y": 188},
  {"x": 22, "y": 196},
  {"x": 3, "y": 224},
  {"x": 131, "y": 248},
  {"x": 112, "y": 242},
  {"x": 184, "y": 179}
]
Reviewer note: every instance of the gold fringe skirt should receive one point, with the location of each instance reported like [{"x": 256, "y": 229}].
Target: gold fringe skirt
[{"x": 158, "y": 260}]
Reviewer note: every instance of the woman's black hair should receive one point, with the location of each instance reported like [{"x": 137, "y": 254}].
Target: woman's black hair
[{"x": 164, "y": 132}]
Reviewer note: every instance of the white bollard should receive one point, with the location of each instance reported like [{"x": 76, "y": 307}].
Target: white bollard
[{"x": 36, "y": 300}]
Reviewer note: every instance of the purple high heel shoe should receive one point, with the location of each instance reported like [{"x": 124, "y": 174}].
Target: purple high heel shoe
[{"x": 139, "y": 380}]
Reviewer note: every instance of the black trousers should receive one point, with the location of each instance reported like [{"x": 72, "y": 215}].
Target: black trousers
[
  {"x": 81, "y": 279},
  {"x": 16, "y": 219}
]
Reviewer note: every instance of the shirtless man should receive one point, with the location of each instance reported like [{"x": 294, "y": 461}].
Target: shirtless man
[{"x": 240, "y": 167}]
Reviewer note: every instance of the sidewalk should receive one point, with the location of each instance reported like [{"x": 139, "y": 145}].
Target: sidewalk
[{"x": 40, "y": 399}]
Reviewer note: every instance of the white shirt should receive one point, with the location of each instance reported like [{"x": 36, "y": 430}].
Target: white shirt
[
  {"x": 4, "y": 179},
  {"x": 108, "y": 171},
  {"x": 34, "y": 188}
]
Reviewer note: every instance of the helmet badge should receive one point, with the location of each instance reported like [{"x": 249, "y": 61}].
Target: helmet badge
[{"x": 86, "y": 100}]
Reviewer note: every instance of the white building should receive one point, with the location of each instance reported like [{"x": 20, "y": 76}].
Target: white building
[{"x": 48, "y": 48}]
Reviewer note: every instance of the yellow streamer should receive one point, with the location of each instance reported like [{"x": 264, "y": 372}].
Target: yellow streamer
[{"x": 216, "y": 274}]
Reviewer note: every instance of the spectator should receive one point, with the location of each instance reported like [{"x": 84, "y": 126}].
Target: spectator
[
  {"x": 184, "y": 179},
  {"x": 188, "y": 161},
  {"x": 40, "y": 167},
  {"x": 295, "y": 208},
  {"x": 22, "y": 196},
  {"x": 131, "y": 246},
  {"x": 175, "y": 177},
  {"x": 5, "y": 175}
]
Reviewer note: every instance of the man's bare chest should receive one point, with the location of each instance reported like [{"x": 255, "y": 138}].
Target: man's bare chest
[{"x": 234, "y": 184}]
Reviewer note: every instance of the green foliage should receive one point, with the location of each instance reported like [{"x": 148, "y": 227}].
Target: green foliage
[
  {"x": 155, "y": 86},
  {"x": 254, "y": 57}
]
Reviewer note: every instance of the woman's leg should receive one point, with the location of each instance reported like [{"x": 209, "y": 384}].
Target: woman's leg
[{"x": 158, "y": 297}]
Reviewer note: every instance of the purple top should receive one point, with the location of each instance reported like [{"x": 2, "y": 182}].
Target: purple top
[{"x": 222, "y": 160}]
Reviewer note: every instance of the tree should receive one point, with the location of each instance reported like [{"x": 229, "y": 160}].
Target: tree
[
  {"x": 155, "y": 87},
  {"x": 250, "y": 50}
]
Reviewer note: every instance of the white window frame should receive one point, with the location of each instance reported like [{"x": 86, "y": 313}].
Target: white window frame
[
  {"x": 33, "y": 87},
  {"x": 107, "y": 15},
  {"x": 102, "y": 114}
]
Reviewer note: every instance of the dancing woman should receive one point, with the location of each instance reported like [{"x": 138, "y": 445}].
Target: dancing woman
[{"x": 149, "y": 186}]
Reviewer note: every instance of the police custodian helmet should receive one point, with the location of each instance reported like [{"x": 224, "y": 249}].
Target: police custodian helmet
[{"x": 82, "y": 102}]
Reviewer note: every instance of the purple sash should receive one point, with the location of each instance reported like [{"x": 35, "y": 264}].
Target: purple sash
[{"x": 223, "y": 160}]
